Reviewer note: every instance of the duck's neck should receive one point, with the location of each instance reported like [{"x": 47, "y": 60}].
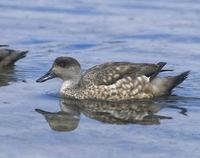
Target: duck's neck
[{"x": 71, "y": 84}]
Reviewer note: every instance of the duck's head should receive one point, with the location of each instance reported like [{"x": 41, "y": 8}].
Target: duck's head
[{"x": 65, "y": 68}]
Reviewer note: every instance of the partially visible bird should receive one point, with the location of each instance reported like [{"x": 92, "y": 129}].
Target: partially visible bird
[{"x": 8, "y": 57}]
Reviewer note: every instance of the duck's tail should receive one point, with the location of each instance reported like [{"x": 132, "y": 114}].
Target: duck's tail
[
  {"x": 178, "y": 79},
  {"x": 164, "y": 86}
]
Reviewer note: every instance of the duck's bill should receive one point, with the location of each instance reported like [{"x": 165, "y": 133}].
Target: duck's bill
[{"x": 49, "y": 75}]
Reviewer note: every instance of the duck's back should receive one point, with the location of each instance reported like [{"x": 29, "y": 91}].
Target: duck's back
[{"x": 110, "y": 73}]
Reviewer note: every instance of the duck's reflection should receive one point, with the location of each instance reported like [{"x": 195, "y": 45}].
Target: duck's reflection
[
  {"x": 137, "y": 112},
  {"x": 65, "y": 120},
  {"x": 6, "y": 76}
]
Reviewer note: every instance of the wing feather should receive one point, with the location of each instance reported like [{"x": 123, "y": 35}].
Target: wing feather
[{"x": 109, "y": 73}]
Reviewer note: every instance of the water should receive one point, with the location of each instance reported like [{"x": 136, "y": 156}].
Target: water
[{"x": 95, "y": 32}]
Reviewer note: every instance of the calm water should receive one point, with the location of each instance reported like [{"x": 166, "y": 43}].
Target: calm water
[{"x": 95, "y": 32}]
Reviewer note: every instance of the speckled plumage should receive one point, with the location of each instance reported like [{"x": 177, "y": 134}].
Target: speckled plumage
[
  {"x": 112, "y": 81},
  {"x": 115, "y": 81},
  {"x": 123, "y": 89}
]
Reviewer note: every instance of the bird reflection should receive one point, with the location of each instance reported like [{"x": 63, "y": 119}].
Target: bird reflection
[
  {"x": 65, "y": 120},
  {"x": 130, "y": 112}
]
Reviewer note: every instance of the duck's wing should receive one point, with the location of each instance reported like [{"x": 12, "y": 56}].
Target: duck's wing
[
  {"x": 9, "y": 56},
  {"x": 109, "y": 73}
]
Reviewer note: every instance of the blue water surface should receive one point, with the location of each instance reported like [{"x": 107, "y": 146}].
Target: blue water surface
[{"x": 97, "y": 31}]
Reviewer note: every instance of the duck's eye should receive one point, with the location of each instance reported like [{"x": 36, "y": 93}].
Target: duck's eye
[{"x": 62, "y": 64}]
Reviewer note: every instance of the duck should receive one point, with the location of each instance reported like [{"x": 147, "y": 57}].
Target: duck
[
  {"x": 8, "y": 57},
  {"x": 112, "y": 81}
]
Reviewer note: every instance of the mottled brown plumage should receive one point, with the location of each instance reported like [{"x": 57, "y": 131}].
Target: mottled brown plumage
[
  {"x": 112, "y": 81},
  {"x": 110, "y": 73}
]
